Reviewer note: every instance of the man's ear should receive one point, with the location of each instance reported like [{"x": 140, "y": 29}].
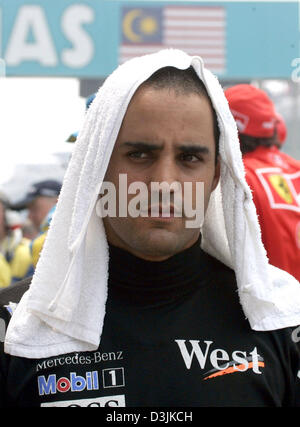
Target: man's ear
[{"x": 217, "y": 174}]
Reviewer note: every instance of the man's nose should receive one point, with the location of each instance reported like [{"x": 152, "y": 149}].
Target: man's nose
[{"x": 165, "y": 170}]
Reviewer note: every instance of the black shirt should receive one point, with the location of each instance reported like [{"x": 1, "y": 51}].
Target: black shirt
[{"x": 174, "y": 335}]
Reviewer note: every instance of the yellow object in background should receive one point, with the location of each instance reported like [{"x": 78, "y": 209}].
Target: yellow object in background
[
  {"x": 36, "y": 247},
  {"x": 5, "y": 273},
  {"x": 21, "y": 261}
]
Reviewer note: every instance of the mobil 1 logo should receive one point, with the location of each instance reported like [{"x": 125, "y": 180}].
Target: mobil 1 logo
[{"x": 113, "y": 377}]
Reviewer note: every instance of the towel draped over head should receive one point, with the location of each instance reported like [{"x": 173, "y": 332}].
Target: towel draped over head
[{"x": 64, "y": 309}]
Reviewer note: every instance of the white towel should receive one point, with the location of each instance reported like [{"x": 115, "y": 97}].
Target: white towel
[{"x": 64, "y": 309}]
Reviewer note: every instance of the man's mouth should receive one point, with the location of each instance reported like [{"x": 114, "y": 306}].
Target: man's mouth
[{"x": 163, "y": 211}]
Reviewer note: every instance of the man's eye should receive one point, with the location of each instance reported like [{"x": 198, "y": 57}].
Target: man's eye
[
  {"x": 186, "y": 157},
  {"x": 138, "y": 155}
]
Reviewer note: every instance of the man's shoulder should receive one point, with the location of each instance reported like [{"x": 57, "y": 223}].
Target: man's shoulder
[
  {"x": 290, "y": 162},
  {"x": 252, "y": 160},
  {"x": 14, "y": 293}
]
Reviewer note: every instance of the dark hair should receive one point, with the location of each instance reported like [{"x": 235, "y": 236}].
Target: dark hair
[
  {"x": 184, "y": 82},
  {"x": 250, "y": 143}
]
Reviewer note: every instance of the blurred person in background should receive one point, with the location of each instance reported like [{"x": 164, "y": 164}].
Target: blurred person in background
[
  {"x": 281, "y": 129},
  {"x": 29, "y": 230},
  {"x": 273, "y": 176},
  {"x": 15, "y": 255},
  {"x": 40, "y": 202}
]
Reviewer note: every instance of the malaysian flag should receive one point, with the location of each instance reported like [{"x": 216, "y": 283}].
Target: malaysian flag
[{"x": 198, "y": 30}]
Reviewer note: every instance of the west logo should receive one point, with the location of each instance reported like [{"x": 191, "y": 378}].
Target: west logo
[
  {"x": 52, "y": 385},
  {"x": 221, "y": 362}
]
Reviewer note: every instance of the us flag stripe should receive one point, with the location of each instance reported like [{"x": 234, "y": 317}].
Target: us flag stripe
[{"x": 197, "y": 30}]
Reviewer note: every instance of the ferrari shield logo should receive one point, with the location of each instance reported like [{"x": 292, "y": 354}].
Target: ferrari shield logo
[
  {"x": 280, "y": 185},
  {"x": 282, "y": 190}
]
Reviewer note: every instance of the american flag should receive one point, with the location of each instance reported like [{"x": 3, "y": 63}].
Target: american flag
[{"x": 198, "y": 30}]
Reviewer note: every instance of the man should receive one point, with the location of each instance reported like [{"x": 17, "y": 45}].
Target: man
[
  {"x": 273, "y": 176},
  {"x": 15, "y": 257},
  {"x": 39, "y": 201},
  {"x": 129, "y": 310},
  {"x": 138, "y": 155}
]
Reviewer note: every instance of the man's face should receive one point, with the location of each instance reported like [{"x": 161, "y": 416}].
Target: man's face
[
  {"x": 39, "y": 208},
  {"x": 164, "y": 137}
]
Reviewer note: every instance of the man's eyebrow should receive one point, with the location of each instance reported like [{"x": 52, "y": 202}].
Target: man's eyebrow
[
  {"x": 185, "y": 148},
  {"x": 142, "y": 145},
  {"x": 194, "y": 149}
]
